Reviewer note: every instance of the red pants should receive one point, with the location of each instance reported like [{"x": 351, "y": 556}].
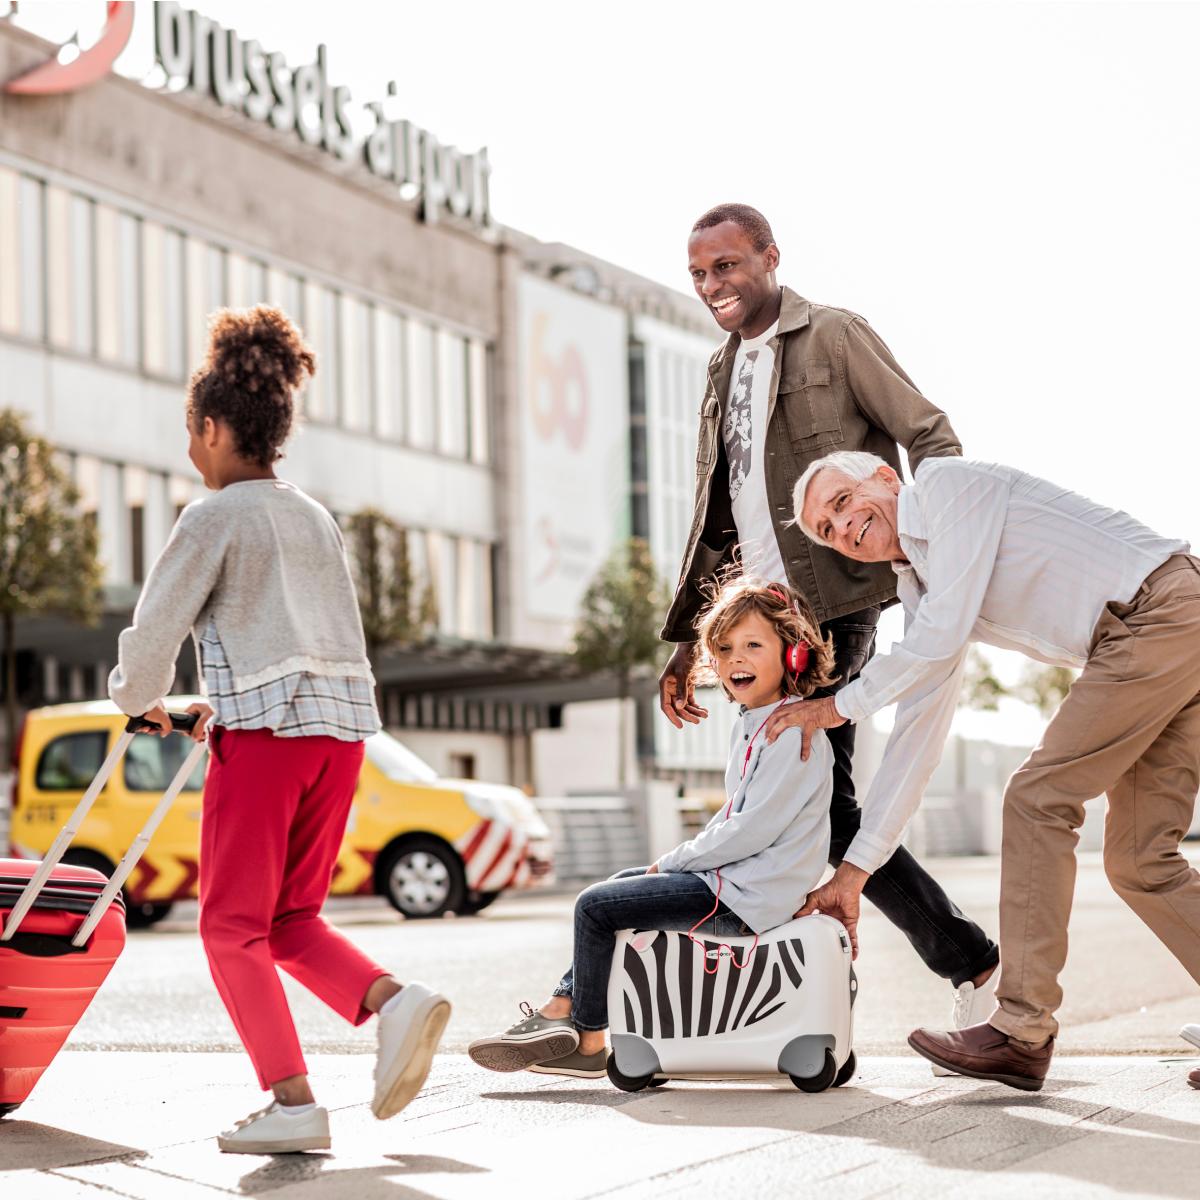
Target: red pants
[{"x": 275, "y": 810}]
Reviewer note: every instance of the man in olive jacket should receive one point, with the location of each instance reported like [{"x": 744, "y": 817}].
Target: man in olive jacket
[{"x": 793, "y": 381}]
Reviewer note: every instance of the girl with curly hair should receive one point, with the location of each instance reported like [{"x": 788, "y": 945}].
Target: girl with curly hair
[
  {"x": 749, "y": 869},
  {"x": 257, "y": 572}
]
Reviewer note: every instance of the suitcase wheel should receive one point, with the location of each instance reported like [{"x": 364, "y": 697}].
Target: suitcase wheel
[
  {"x": 847, "y": 1071},
  {"x": 627, "y": 1083},
  {"x": 823, "y": 1079}
]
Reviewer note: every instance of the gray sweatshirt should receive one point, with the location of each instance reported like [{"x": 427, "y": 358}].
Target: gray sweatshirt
[
  {"x": 268, "y": 565},
  {"x": 773, "y": 848}
]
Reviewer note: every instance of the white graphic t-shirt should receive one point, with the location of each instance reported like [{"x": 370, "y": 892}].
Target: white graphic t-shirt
[{"x": 744, "y": 433}]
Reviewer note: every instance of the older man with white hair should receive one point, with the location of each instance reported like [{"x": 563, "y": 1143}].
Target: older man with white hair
[{"x": 987, "y": 553}]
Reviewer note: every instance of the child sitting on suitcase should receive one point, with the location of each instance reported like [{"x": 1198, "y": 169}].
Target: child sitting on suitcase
[{"x": 748, "y": 870}]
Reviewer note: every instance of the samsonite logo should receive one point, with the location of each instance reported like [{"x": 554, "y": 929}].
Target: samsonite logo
[
  {"x": 718, "y": 952},
  {"x": 63, "y": 74}
]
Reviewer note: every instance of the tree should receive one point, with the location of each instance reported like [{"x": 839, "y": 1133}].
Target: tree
[
  {"x": 395, "y": 609},
  {"x": 48, "y": 549},
  {"x": 1044, "y": 687},
  {"x": 980, "y": 688},
  {"x": 1040, "y": 685},
  {"x": 618, "y": 625}
]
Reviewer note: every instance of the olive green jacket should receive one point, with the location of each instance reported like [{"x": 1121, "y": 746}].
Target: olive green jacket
[{"x": 835, "y": 386}]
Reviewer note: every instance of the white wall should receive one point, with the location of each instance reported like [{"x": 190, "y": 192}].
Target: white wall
[
  {"x": 582, "y": 755},
  {"x": 436, "y": 747}
]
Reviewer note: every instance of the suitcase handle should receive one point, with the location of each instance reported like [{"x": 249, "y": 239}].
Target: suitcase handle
[
  {"x": 68, "y": 832},
  {"x": 180, "y": 723}
]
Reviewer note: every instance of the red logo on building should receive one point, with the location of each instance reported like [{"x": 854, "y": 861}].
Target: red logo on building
[{"x": 88, "y": 66}]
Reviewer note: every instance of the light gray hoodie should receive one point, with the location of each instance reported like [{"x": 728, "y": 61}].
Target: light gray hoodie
[
  {"x": 268, "y": 564},
  {"x": 773, "y": 848}
]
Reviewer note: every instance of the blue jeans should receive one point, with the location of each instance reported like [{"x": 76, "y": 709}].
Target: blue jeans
[{"x": 632, "y": 900}]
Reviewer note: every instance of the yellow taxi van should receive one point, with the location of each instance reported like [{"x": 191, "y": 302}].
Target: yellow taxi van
[{"x": 429, "y": 845}]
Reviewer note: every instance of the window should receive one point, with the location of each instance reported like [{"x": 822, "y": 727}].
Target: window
[
  {"x": 452, "y": 394},
  {"x": 482, "y": 587},
  {"x": 285, "y": 292},
  {"x": 117, "y": 238},
  {"x": 247, "y": 281},
  {"x": 69, "y": 763},
  {"x": 69, "y": 269},
  {"x": 389, "y": 373},
  {"x": 479, "y": 431},
  {"x": 420, "y": 384},
  {"x": 320, "y": 319},
  {"x": 420, "y": 557},
  {"x": 462, "y": 766},
  {"x": 135, "y": 485},
  {"x": 152, "y": 762},
  {"x": 180, "y": 493},
  {"x": 21, "y": 259},
  {"x": 443, "y": 571},
  {"x": 355, "y": 363},
  {"x": 10, "y": 253},
  {"x": 205, "y": 269},
  {"x": 162, "y": 289}
]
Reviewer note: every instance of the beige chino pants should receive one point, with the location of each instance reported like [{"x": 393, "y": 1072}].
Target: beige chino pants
[{"x": 1130, "y": 728}]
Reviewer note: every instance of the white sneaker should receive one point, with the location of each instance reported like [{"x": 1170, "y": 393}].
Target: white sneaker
[
  {"x": 408, "y": 1039},
  {"x": 1191, "y": 1033},
  {"x": 972, "y": 1006},
  {"x": 272, "y": 1131}
]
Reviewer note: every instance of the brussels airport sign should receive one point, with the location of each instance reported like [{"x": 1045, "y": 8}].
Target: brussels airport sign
[{"x": 240, "y": 75}]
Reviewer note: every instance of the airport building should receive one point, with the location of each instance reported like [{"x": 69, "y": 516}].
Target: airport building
[{"x": 514, "y": 409}]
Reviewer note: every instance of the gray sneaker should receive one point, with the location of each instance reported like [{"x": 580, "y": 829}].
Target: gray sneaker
[
  {"x": 532, "y": 1039},
  {"x": 579, "y": 1066}
]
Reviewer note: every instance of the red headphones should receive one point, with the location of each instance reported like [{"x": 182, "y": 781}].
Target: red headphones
[{"x": 795, "y": 658}]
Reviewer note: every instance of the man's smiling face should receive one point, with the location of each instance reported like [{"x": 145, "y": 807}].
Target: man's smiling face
[
  {"x": 856, "y": 519},
  {"x": 734, "y": 280}
]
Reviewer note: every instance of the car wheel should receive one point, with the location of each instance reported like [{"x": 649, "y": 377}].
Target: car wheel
[
  {"x": 422, "y": 878},
  {"x": 138, "y": 914},
  {"x": 476, "y": 902},
  {"x": 142, "y": 916}
]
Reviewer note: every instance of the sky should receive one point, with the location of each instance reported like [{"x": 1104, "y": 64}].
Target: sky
[{"x": 1007, "y": 191}]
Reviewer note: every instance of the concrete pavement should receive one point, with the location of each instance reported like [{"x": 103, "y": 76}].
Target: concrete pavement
[
  {"x": 153, "y": 1072},
  {"x": 1103, "y": 1127}
]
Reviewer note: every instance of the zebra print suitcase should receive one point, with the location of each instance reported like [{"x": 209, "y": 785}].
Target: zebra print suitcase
[{"x": 789, "y": 1011}]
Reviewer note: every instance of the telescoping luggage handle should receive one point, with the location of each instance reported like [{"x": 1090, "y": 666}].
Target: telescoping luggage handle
[{"x": 180, "y": 723}]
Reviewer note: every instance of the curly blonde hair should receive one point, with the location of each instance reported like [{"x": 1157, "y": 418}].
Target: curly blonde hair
[
  {"x": 788, "y": 613},
  {"x": 256, "y": 360}
]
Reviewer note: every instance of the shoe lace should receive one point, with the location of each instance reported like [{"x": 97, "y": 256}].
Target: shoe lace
[
  {"x": 254, "y": 1116},
  {"x": 962, "y": 1005},
  {"x": 526, "y": 1009}
]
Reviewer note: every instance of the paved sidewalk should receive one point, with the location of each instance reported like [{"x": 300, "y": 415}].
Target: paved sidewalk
[{"x": 140, "y": 1125}]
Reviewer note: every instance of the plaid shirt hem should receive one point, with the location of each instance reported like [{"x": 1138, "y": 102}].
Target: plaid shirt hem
[{"x": 295, "y": 705}]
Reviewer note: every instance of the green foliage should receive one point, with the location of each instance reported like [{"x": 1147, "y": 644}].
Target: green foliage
[
  {"x": 618, "y": 624},
  {"x": 396, "y": 610},
  {"x": 1040, "y": 685},
  {"x": 620, "y": 614},
  {"x": 48, "y": 550},
  {"x": 980, "y": 688},
  {"x": 1044, "y": 687}
]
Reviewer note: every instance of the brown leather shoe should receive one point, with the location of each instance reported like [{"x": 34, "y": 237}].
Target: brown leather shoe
[
  {"x": 1194, "y": 1080},
  {"x": 982, "y": 1052}
]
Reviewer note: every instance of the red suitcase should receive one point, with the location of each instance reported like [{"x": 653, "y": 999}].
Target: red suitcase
[{"x": 61, "y": 930}]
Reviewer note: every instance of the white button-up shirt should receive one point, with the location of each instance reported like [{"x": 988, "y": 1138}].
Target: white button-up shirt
[{"x": 996, "y": 556}]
